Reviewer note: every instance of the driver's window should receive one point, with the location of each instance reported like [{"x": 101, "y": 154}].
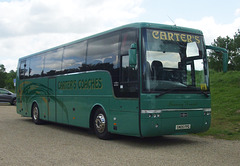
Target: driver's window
[{"x": 128, "y": 83}]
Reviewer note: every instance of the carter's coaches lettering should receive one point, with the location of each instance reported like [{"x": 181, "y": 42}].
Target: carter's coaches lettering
[
  {"x": 172, "y": 36},
  {"x": 82, "y": 84}
]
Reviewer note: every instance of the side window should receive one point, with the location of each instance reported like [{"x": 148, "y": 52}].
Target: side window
[
  {"x": 128, "y": 86},
  {"x": 74, "y": 57},
  {"x": 24, "y": 69},
  {"x": 53, "y": 62},
  {"x": 129, "y": 74},
  {"x": 36, "y": 66},
  {"x": 124, "y": 67},
  {"x": 103, "y": 53},
  {"x": 128, "y": 38},
  {"x": 27, "y": 70}
]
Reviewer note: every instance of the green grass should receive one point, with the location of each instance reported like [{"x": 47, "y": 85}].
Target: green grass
[{"x": 225, "y": 95}]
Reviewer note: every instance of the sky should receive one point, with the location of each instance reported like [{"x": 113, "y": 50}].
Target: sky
[{"x": 30, "y": 26}]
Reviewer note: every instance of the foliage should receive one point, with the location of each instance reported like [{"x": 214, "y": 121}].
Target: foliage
[
  {"x": 3, "y": 76},
  {"x": 6, "y": 79},
  {"x": 9, "y": 81},
  {"x": 233, "y": 47}
]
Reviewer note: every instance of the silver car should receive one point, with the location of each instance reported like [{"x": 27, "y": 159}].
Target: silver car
[{"x": 7, "y": 96}]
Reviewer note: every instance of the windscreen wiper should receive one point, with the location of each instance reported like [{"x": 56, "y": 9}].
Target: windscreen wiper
[
  {"x": 201, "y": 92},
  {"x": 165, "y": 92},
  {"x": 204, "y": 93}
]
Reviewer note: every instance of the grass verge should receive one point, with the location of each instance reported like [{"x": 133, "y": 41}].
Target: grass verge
[{"x": 225, "y": 95}]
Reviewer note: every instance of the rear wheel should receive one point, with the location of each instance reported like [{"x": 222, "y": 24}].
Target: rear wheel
[
  {"x": 35, "y": 114},
  {"x": 100, "y": 124}
]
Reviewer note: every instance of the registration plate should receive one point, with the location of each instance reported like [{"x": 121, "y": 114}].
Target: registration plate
[{"x": 183, "y": 126}]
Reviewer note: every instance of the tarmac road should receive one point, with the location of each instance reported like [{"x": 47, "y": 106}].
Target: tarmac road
[{"x": 24, "y": 143}]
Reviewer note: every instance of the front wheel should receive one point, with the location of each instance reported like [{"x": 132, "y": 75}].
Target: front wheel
[
  {"x": 35, "y": 114},
  {"x": 100, "y": 124}
]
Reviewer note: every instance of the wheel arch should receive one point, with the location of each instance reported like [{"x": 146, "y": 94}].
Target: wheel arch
[{"x": 34, "y": 102}]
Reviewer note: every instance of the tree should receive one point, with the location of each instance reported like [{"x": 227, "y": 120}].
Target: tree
[
  {"x": 233, "y": 47},
  {"x": 236, "y": 53},
  {"x": 9, "y": 80},
  {"x": 215, "y": 58},
  {"x": 3, "y": 76},
  {"x": 6, "y": 79}
]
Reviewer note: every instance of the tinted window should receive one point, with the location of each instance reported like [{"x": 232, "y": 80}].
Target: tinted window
[
  {"x": 53, "y": 61},
  {"x": 36, "y": 66},
  {"x": 127, "y": 39},
  {"x": 128, "y": 74},
  {"x": 74, "y": 57},
  {"x": 27, "y": 70},
  {"x": 128, "y": 80},
  {"x": 103, "y": 51},
  {"x": 24, "y": 69}
]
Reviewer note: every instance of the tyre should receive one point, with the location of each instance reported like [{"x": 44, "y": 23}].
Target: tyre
[
  {"x": 100, "y": 124},
  {"x": 13, "y": 102},
  {"x": 35, "y": 114}
]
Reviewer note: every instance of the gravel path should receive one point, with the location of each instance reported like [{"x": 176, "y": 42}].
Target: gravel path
[{"x": 24, "y": 143}]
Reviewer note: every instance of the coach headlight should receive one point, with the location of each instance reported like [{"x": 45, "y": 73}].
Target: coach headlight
[
  {"x": 152, "y": 113},
  {"x": 207, "y": 111}
]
